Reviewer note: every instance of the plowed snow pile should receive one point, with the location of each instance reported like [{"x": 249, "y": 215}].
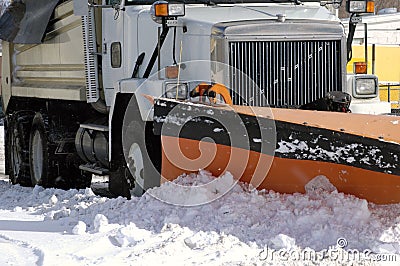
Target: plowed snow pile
[{"x": 245, "y": 226}]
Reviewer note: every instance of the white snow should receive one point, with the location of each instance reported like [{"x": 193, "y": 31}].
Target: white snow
[
  {"x": 229, "y": 224},
  {"x": 291, "y": 147},
  {"x": 334, "y": 153},
  {"x": 79, "y": 228},
  {"x": 319, "y": 183},
  {"x": 193, "y": 190},
  {"x": 282, "y": 241},
  {"x": 217, "y": 130}
]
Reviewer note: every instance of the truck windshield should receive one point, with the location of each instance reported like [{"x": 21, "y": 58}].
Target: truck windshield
[{"x": 215, "y": 2}]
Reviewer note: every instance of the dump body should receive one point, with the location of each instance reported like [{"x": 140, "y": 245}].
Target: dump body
[{"x": 52, "y": 70}]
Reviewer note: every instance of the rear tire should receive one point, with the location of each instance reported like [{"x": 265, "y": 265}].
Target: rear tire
[
  {"x": 40, "y": 168},
  {"x": 48, "y": 168},
  {"x": 19, "y": 126}
]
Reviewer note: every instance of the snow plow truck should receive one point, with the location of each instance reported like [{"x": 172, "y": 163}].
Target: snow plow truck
[{"x": 144, "y": 91}]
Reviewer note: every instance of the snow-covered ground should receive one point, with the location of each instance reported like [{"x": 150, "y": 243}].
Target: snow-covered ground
[{"x": 244, "y": 227}]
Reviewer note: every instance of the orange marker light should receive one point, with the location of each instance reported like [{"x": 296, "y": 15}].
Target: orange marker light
[
  {"x": 360, "y": 68},
  {"x": 370, "y": 7},
  {"x": 161, "y": 10}
]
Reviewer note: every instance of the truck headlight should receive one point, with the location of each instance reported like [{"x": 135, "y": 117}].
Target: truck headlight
[
  {"x": 175, "y": 10},
  {"x": 176, "y": 91},
  {"x": 360, "y": 6},
  {"x": 365, "y": 86},
  {"x": 164, "y": 9}
]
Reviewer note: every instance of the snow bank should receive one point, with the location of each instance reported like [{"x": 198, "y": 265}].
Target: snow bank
[
  {"x": 242, "y": 226},
  {"x": 192, "y": 190}
]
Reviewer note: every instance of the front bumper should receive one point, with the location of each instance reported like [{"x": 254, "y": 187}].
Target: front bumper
[{"x": 369, "y": 107}]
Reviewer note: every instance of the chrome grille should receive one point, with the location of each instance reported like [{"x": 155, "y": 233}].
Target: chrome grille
[{"x": 283, "y": 73}]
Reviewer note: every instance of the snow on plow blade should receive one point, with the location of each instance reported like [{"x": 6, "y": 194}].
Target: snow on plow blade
[{"x": 282, "y": 149}]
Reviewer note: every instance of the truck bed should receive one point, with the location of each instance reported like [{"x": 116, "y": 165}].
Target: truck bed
[{"x": 53, "y": 69}]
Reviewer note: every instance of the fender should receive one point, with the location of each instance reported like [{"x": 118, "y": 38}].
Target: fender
[{"x": 140, "y": 88}]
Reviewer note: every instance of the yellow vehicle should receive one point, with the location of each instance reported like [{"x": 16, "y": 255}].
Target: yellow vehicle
[
  {"x": 386, "y": 66},
  {"x": 382, "y": 54}
]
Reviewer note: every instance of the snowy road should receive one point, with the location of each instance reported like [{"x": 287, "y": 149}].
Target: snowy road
[
  {"x": 54, "y": 227},
  {"x": 244, "y": 227},
  {"x": 18, "y": 253}
]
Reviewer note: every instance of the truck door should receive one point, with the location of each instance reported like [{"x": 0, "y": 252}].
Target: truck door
[{"x": 112, "y": 47}]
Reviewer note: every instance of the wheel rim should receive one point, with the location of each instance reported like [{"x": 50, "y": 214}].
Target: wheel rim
[
  {"x": 135, "y": 164},
  {"x": 37, "y": 156},
  {"x": 16, "y": 153}
]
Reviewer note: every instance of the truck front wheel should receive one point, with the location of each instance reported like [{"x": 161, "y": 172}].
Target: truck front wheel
[
  {"x": 134, "y": 149},
  {"x": 138, "y": 170},
  {"x": 142, "y": 153},
  {"x": 128, "y": 178}
]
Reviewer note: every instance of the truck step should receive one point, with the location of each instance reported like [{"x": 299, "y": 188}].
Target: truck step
[
  {"x": 94, "y": 169},
  {"x": 95, "y": 127}
]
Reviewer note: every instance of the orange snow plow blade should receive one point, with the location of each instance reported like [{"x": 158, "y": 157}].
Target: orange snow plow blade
[{"x": 282, "y": 149}]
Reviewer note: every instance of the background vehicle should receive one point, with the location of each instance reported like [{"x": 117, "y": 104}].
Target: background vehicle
[{"x": 381, "y": 34}]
